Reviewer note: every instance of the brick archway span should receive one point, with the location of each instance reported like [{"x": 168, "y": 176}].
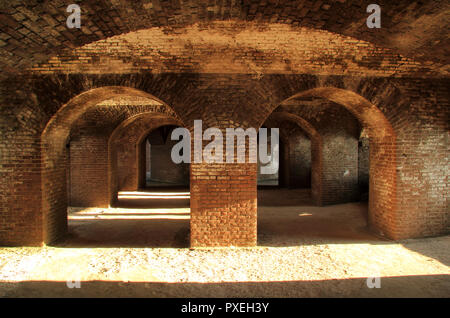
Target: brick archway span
[
  {"x": 383, "y": 213},
  {"x": 79, "y": 104},
  {"x": 127, "y": 139},
  {"x": 367, "y": 113},
  {"x": 316, "y": 150},
  {"x": 53, "y": 209}
]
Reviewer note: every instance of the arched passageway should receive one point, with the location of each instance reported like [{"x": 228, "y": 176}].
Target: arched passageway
[
  {"x": 130, "y": 184},
  {"x": 55, "y": 153},
  {"x": 158, "y": 169},
  {"x": 335, "y": 170},
  {"x": 311, "y": 170}
]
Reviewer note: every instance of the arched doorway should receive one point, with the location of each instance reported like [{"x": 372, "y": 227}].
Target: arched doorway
[
  {"x": 332, "y": 179},
  {"x": 54, "y": 141},
  {"x": 157, "y": 169}
]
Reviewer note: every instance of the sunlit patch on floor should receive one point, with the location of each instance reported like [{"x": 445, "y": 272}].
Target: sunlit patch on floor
[{"x": 129, "y": 214}]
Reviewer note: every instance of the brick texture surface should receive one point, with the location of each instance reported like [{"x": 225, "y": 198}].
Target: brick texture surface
[{"x": 76, "y": 104}]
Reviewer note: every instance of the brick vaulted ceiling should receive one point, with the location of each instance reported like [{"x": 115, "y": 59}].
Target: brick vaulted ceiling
[
  {"x": 111, "y": 113},
  {"x": 33, "y": 31}
]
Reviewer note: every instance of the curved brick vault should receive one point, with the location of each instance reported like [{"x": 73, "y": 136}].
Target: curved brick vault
[
  {"x": 230, "y": 65},
  {"x": 235, "y": 47},
  {"x": 33, "y": 31}
]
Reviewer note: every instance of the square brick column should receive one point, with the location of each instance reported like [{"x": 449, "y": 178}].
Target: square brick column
[
  {"x": 223, "y": 205},
  {"x": 21, "y": 221}
]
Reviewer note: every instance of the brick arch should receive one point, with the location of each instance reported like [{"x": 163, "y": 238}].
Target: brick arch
[
  {"x": 79, "y": 104},
  {"x": 127, "y": 139},
  {"x": 119, "y": 17},
  {"x": 367, "y": 113},
  {"x": 316, "y": 150},
  {"x": 236, "y": 47},
  {"x": 54, "y": 153},
  {"x": 383, "y": 214}
]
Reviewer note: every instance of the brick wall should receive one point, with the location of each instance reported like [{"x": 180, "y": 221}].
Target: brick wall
[
  {"x": 422, "y": 158},
  {"x": 408, "y": 156},
  {"x": 231, "y": 65},
  {"x": 363, "y": 166},
  {"x": 89, "y": 170},
  {"x": 300, "y": 159}
]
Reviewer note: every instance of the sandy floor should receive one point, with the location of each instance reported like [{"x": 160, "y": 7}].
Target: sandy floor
[{"x": 303, "y": 251}]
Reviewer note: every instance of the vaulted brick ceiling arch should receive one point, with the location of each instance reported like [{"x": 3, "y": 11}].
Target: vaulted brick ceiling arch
[
  {"x": 369, "y": 115},
  {"x": 58, "y": 129},
  {"x": 235, "y": 47},
  {"x": 112, "y": 112},
  {"x": 34, "y": 31}
]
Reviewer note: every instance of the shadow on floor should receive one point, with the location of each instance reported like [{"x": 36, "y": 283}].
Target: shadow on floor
[
  {"x": 305, "y": 225},
  {"x": 157, "y": 233},
  {"x": 284, "y": 197},
  {"x": 402, "y": 286},
  {"x": 430, "y": 247},
  {"x": 299, "y": 223}
]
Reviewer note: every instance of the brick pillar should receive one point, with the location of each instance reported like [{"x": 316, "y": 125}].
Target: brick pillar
[
  {"x": 223, "y": 204},
  {"x": 21, "y": 220}
]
